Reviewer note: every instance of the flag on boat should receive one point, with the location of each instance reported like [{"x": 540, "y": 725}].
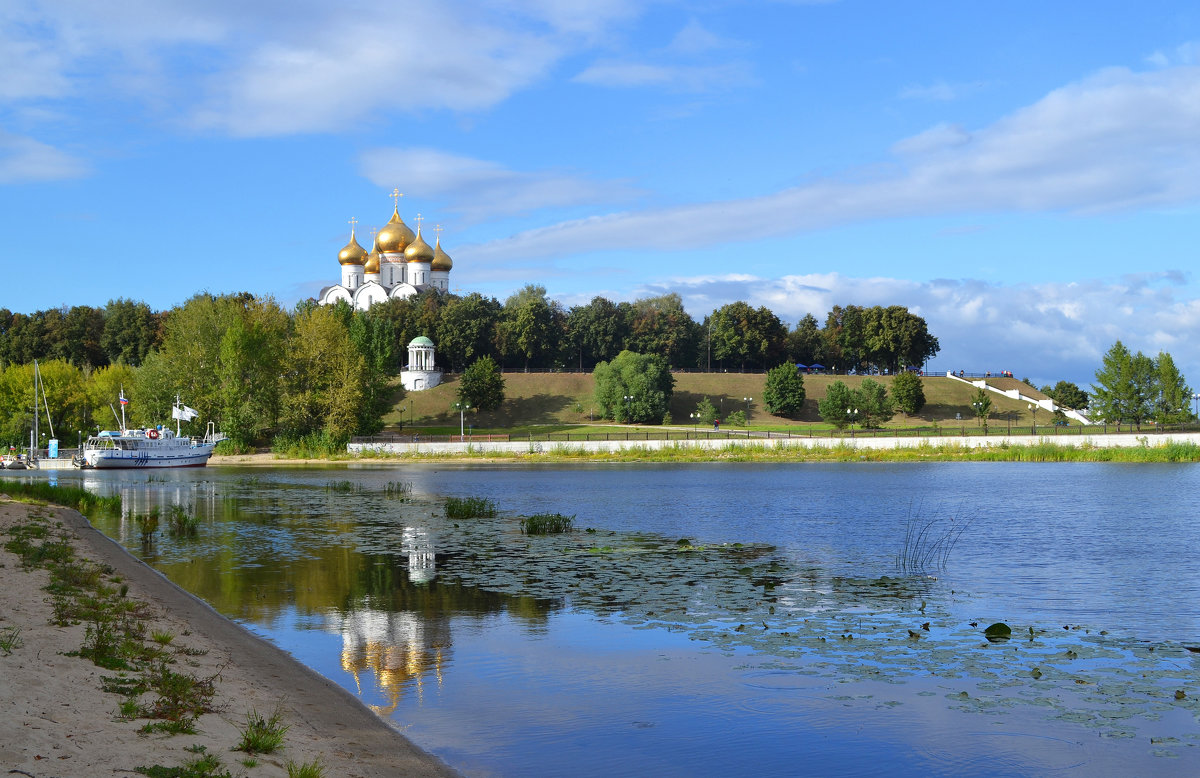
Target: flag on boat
[{"x": 184, "y": 413}]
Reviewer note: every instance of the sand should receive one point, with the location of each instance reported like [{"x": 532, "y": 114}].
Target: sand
[{"x": 57, "y": 721}]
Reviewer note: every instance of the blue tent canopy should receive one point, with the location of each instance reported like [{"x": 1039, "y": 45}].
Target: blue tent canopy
[
  {"x": 816, "y": 367},
  {"x": 800, "y": 366}
]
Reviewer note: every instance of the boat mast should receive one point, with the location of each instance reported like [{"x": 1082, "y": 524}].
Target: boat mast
[
  {"x": 33, "y": 432},
  {"x": 124, "y": 402},
  {"x": 177, "y": 415}
]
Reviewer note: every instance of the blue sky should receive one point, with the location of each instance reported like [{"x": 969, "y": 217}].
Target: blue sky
[{"x": 1025, "y": 176}]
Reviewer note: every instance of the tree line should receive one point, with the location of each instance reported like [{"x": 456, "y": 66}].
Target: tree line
[
  {"x": 527, "y": 330},
  {"x": 320, "y": 373}
]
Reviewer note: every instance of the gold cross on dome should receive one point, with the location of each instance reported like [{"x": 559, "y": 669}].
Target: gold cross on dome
[
  {"x": 396, "y": 195},
  {"x": 352, "y": 222},
  {"x": 438, "y": 229},
  {"x": 419, "y": 217}
]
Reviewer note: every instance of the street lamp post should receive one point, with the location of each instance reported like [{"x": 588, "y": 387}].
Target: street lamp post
[
  {"x": 747, "y": 400},
  {"x": 851, "y": 415},
  {"x": 628, "y": 408},
  {"x": 695, "y": 417},
  {"x": 1196, "y": 405},
  {"x": 1034, "y": 409},
  {"x": 977, "y": 404},
  {"x": 462, "y": 408}
]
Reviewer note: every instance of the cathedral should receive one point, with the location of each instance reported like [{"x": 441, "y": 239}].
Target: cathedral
[{"x": 400, "y": 264}]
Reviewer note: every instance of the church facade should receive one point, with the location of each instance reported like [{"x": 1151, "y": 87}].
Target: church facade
[{"x": 400, "y": 264}]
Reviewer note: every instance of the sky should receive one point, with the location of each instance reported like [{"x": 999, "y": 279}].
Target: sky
[{"x": 1024, "y": 175}]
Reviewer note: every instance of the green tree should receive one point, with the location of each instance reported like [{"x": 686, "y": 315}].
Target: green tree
[
  {"x": 838, "y": 405},
  {"x": 528, "y": 328},
  {"x": 873, "y": 404},
  {"x": 1067, "y": 394},
  {"x": 745, "y": 335},
  {"x": 1174, "y": 395},
  {"x": 805, "y": 344},
  {"x": 983, "y": 407},
  {"x": 323, "y": 383},
  {"x": 706, "y": 411},
  {"x": 481, "y": 385},
  {"x": 250, "y": 362},
  {"x": 129, "y": 332},
  {"x": 466, "y": 329},
  {"x": 784, "y": 391},
  {"x": 642, "y": 378},
  {"x": 1125, "y": 386},
  {"x": 597, "y": 331},
  {"x": 908, "y": 390},
  {"x": 660, "y": 325}
]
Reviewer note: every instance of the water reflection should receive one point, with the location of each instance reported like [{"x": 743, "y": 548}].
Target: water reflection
[{"x": 513, "y": 654}]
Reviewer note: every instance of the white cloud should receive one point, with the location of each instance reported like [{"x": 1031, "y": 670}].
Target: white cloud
[
  {"x": 695, "y": 39},
  {"x": 1045, "y": 331},
  {"x": 306, "y": 66},
  {"x": 479, "y": 189},
  {"x": 685, "y": 78},
  {"x": 1117, "y": 140},
  {"x": 24, "y": 159}
]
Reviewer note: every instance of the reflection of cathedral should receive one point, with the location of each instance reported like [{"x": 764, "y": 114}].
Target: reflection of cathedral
[
  {"x": 399, "y": 647},
  {"x": 400, "y": 264}
]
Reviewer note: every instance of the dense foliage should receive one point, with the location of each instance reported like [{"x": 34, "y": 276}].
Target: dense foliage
[
  {"x": 784, "y": 391},
  {"x": 908, "y": 390},
  {"x": 1134, "y": 388},
  {"x": 481, "y": 385},
  {"x": 633, "y": 388},
  {"x": 868, "y": 405},
  {"x": 526, "y": 331}
]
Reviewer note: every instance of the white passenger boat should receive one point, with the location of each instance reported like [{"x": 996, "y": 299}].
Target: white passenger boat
[{"x": 149, "y": 447}]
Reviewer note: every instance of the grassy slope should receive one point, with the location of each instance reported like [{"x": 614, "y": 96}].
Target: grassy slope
[{"x": 560, "y": 399}]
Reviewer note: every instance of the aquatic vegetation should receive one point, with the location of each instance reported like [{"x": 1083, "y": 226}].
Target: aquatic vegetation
[
  {"x": 345, "y": 486},
  {"x": 398, "y": 490},
  {"x": 928, "y": 543},
  {"x": 148, "y": 525},
  {"x": 181, "y": 523},
  {"x": 546, "y": 523},
  {"x": 470, "y": 508}
]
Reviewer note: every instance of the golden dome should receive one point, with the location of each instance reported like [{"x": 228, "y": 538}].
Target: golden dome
[
  {"x": 352, "y": 253},
  {"x": 395, "y": 235},
  {"x": 441, "y": 260},
  {"x": 372, "y": 263},
  {"x": 418, "y": 250}
]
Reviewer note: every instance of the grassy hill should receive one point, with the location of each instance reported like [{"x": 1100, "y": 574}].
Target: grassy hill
[{"x": 565, "y": 399}]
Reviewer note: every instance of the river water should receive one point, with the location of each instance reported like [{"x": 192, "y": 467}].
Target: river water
[{"x": 722, "y": 619}]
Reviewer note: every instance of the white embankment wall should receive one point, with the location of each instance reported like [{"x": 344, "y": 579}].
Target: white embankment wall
[{"x": 1099, "y": 440}]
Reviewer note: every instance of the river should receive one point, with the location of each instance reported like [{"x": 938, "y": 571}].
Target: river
[{"x": 722, "y": 619}]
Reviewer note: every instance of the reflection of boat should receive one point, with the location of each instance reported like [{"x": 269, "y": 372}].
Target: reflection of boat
[{"x": 151, "y": 447}]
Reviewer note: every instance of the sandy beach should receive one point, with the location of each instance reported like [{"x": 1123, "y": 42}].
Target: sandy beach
[{"x": 59, "y": 721}]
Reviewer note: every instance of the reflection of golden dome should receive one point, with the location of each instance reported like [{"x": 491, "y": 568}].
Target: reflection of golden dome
[
  {"x": 352, "y": 253},
  {"x": 372, "y": 263},
  {"x": 418, "y": 250},
  {"x": 395, "y": 235},
  {"x": 441, "y": 260}
]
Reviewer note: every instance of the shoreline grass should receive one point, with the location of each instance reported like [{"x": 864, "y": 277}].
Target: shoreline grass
[{"x": 844, "y": 451}]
